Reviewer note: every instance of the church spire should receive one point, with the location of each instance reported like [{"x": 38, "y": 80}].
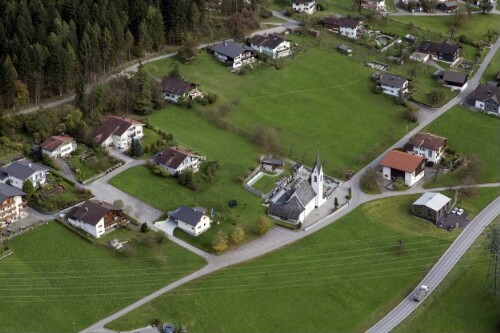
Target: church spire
[{"x": 317, "y": 158}]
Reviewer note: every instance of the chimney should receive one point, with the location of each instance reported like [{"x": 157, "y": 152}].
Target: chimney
[
  {"x": 30, "y": 165},
  {"x": 86, "y": 209},
  {"x": 100, "y": 202}
]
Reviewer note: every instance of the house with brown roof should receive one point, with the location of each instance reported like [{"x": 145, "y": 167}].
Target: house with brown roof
[
  {"x": 397, "y": 164},
  {"x": 453, "y": 80},
  {"x": 175, "y": 160},
  {"x": 95, "y": 217},
  {"x": 440, "y": 51},
  {"x": 58, "y": 146},
  {"x": 118, "y": 132},
  {"x": 427, "y": 145},
  {"x": 174, "y": 89},
  {"x": 304, "y": 6},
  {"x": 272, "y": 45},
  {"x": 11, "y": 203},
  {"x": 486, "y": 98},
  {"x": 348, "y": 27}
]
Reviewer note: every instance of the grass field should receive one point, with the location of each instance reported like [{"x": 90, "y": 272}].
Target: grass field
[
  {"x": 235, "y": 155},
  {"x": 354, "y": 271},
  {"x": 58, "y": 282},
  {"x": 460, "y": 293},
  {"x": 265, "y": 183},
  {"x": 469, "y": 133},
  {"x": 492, "y": 69}
]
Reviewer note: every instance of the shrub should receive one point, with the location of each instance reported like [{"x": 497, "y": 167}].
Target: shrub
[
  {"x": 144, "y": 227},
  {"x": 369, "y": 180},
  {"x": 238, "y": 235},
  {"x": 220, "y": 243},
  {"x": 263, "y": 225}
]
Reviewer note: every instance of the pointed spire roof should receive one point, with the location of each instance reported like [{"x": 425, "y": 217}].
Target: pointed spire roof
[{"x": 317, "y": 166}]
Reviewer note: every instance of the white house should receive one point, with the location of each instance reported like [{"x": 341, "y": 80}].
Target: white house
[
  {"x": 175, "y": 160},
  {"x": 304, "y": 6},
  {"x": 272, "y": 45},
  {"x": 486, "y": 98},
  {"x": 194, "y": 221},
  {"x": 378, "y": 5},
  {"x": 393, "y": 85},
  {"x": 297, "y": 203},
  {"x": 233, "y": 54},
  {"x": 174, "y": 89},
  {"x": 58, "y": 146},
  {"x": 427, "y": 145},
  {"x": 95, "y": 217},
  {"x": 16, "y": 173},
  {"x": 11, "y": 203},
  {"x": 397, "y": 164},
  {"x": 348, "y": 27},
  {"x": 118, "y": 132}
]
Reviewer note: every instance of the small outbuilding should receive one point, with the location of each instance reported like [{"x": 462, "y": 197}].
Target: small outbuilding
[
  {"x": 398, "y": 164},
  {"x": 271, "y": 164},
  {"x": 344, "y": 49},
  {"x": 454, "y": 80},
  {"x": 431, "y": 206}
]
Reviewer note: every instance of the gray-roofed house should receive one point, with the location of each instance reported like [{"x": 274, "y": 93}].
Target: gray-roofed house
[
  {"x": 486, "y": 98},
  {"x": 16, "y": 173},
  {"x": 296, "y": 204},
  {"x": 194, "y": 221},
  {"x": 95, "y": 217},
  {"x": 118, "y": 132},
  {"x": 11, "y": 203},
  {"x": 234, "y": 55},
  {"x": 174, "y": 89},
  {"x": 175, "y": 160},
  {"x": 272, "y": 45},
  {"x": 454, "y": 80},
  {"x": 393, "y": 85},
  {"x": 431, "y": 206},
  {"x": 439, "y": 51}
]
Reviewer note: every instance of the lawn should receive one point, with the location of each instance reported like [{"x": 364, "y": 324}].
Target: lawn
[
  {"x": 469, "y": 133},
  {"x": 58, "y": 282},
  {"x": 266, "y": 183},
  {"x": 86, "y": 162},
  {"x": 320, "y": 97},
  {"x": 235, "y": 156},
  {"x": 355, "y": 270},
  {"x": 460, "y": 293},
  {"x": 493, "y": 68}
]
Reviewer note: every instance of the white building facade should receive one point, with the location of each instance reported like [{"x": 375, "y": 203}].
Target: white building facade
[{"x": 308, "y": 7}]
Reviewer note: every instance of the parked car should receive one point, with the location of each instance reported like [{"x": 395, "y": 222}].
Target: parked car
[
  {"x": 460, "y": 211},
  {"x": 454, "y": 210}
]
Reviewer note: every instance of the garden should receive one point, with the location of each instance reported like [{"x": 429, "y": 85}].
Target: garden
[{"x": 88, "y": 162}]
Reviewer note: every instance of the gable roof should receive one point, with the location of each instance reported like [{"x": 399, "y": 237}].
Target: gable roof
[
  {"x": 290, "y": 210},
  {"x": 176, "y": 86},
  {"x": 401, "y": 161},
  {"x": 23, "y": 169},
  {"x": 272, "y": 161},
  {"x": 91, "y": 211},
  {"x": 230, "y": 49},
  {"x": 342, "y": 22},
  {"x": 455, "y": 77},
  {"x": 300, "y": 2},
  {"x": 427, "y": 141},
  {"x": 7, "y": 191},
  {"x": 172, "y": 157},
  {"x": 271, "y": 41},
  {"x": 305, "y": 193},
  {"x": 433, "y": 200},
  {"x": 187, "y": 214},
  {"x": 433, "y": 47},
  {"x": 392, "y": 80},
  {"x": 484, "y": 92},
  {"x": 54, "y": 142},
  {"x": 113, "y": 126}
]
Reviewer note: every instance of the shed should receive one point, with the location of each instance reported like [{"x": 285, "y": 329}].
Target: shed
[
  {"x": 344, "y": 49},
  {"x": 431, "y": 206},
  {"x": 270, "y": 164}
]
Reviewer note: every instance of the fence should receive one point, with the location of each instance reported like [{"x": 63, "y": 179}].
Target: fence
[
  {"x": 22, "y": 231},
  {"x": 105, "y": 172}
]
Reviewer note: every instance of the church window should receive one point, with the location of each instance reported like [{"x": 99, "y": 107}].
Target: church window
[{"x": 315, "y": 179}]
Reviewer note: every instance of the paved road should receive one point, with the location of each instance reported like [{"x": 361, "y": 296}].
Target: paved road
[{"x": 441, "y": 268}]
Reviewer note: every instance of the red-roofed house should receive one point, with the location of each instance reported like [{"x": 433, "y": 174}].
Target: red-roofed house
[
  {"x": 175, "y": 160},
  {"x": 58, "y": 146},
  {"x": 397, "y": 164},
  {"x": 118, "y": 132}
]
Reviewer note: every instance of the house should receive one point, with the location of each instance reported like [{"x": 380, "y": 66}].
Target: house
[
  {"x": 427, "y": 145},
  {"x": 344, "y": 49},
  {"x": 194, "y": 221},
  {"x": 58, "y": 146},
  {"x": 376, "y": 5},
  {"x": 118, "y": 132},
  {"x": 486, "y": 98},
  {"x": 440, "y": 51},
  {"x": 16, "y": 173},
  {"x": 272, "y": 45},
  {"x": 233, "y": 54},
  {"x": 174, "y": 89},
  {"x": 431, "y": 206},
  {"x": 393, "y": 85},
  {"x": 454, "y": 80},
  {"x": 448, "y": 6},
  {"x": 348, "y": 27},
  {"x": 397, "y": 164},
  {"x": 175, "y": 160},
  {"x": 271, "y": 164},
  {"x": 95, "y": 217},
  {"x": 304, "y": 6},
  {"x": 11, "y": 203},
  {"x": 296, "y": 203}
]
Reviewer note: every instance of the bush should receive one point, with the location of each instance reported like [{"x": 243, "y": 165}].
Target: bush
[
  {"x": 212, "y": 98},
  {"x": 435, "y": 96},
  {"x": 369, "y": 180},
  {"x": 220, "y": 243},
  {"x": 264, "y": 13},
  {"x": 144, "y": 227},
  {"x": 263, "y": 225},
  {"x": 398, "y": 185},
  {"x": 410, "y": 114}
]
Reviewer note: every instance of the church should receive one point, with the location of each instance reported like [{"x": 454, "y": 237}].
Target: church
[{"x": 296, "y": 202}]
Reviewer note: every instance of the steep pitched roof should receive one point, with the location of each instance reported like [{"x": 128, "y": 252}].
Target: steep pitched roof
[
  {"x": 392, "y": 80},
  {"x": 433, "y": 200},
  {"x": 7, "y": 191},
  {"x": 401, "y": 161},
  {"x": 342, "y": 22},
  {"x": 54, "y": 142},
  {"x": 91, "y": 211},
  {"x": 187, "y": 214},
  {"x": 270, "y": 41},
  {"x": 290, "y": 210},
  {"x": 427, "y": 141},
  {"x": 305, "y": 193},
  {"x": 484, "y": 92},
  {"x": 230, "y": 49},
  {"x": 172, "y": 157},
  {"x": 113, "y": 126},
  {"x": 176, "y": 86},
  {"x": 433, "y": 47},
  {"x": 23, "y": 169}
]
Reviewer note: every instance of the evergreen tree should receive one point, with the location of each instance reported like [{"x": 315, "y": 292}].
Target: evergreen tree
[
  {"x": 143, "y": 104},
  {"x": 28, "y": 188},
  {"x": 8, "y": 77},
  {"x": 136, "y": 149},
  {"x": 155, "y": 28}
]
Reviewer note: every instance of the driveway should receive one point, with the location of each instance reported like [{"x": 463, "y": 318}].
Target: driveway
[{"x": 168, "y": 226}]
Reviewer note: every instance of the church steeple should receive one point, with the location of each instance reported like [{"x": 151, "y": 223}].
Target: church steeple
[{"x": 317, "y": 181}]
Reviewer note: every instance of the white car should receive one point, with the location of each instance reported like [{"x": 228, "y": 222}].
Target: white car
[
  {"x": 460, "y": 211},
  {"x": 454, "y": 210}
]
